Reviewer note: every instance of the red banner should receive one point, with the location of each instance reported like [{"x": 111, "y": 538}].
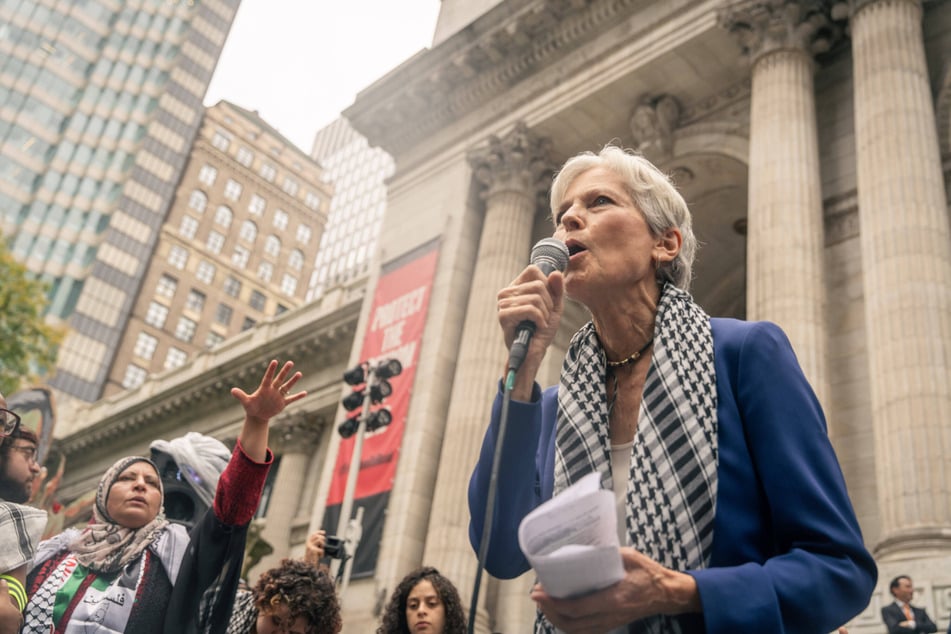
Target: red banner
[{"x": 394, "y": 330}]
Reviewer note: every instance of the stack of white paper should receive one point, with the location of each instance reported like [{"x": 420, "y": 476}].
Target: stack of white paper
[{"x": 571, "y": 540}]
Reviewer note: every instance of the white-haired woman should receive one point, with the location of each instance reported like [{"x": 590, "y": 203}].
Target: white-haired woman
[{"x": 733, "y": 513}]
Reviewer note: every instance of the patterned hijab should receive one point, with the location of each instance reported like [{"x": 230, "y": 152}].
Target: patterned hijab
[
  {"x": 105, "y": 546},
  {"x": 671, "y": 488}
]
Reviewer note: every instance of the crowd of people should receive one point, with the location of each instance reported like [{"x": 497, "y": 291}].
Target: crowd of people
[{"x": 706, "y": 431}]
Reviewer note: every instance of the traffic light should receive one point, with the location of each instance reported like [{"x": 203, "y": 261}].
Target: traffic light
[
  {"x": 368, "y": 380},
  {"x": 349, "y": 427}
]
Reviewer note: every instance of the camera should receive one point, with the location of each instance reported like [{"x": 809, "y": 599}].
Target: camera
[{"x": 335, "y": 548}]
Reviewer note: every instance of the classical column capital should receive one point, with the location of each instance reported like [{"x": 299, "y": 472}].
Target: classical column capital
[
  {"x": 519, "y": 161},
  {"x": 851, "y": 7},
  {"x": 298, "y": 432},
  {"x": 766, "y": 26},
  {"x": 652, "y": 124}
]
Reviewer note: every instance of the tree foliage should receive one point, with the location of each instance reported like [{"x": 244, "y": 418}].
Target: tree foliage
[{"x": 28, "y": 345}]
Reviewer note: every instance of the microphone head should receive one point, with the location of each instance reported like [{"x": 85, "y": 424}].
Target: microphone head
[{"x": 549, "y": 255}]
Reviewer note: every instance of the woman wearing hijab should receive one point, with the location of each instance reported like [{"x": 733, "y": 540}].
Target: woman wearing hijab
[
  {"x": 130, "y": 570},
  {"x": 733, "y": 512}
]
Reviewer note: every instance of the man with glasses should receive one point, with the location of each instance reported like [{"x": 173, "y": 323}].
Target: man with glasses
[{"x": 20, "y": 526}]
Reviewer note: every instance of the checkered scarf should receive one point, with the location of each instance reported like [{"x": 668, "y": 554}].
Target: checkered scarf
[
  {"x": 672, "y": 485},
  {"x": 21, "y": 528}
]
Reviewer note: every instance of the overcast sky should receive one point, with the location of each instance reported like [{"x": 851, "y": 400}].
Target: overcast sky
[{"x": 299, "y": 63}]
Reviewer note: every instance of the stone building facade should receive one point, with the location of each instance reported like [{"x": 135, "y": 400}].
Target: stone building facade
[{"x": 811, "y": 140}]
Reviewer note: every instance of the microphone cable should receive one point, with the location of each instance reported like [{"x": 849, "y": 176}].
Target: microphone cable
[{"x": 491, "y": 495}]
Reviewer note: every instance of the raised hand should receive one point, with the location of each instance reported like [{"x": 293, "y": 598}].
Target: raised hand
[{"x": 268, "y": 400}]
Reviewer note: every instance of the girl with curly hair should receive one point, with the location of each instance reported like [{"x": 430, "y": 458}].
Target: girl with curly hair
[
  {"x": 424, "y": 601},
  {"x": 294, "y": 598}
]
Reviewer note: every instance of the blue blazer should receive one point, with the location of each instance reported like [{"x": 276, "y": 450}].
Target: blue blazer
[{"x": 787, "y": 552}]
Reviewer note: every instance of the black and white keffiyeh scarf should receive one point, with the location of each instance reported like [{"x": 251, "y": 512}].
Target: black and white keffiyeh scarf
[
  {"x": 672, "y": 485},
  {"x": 21, "y": 528}
]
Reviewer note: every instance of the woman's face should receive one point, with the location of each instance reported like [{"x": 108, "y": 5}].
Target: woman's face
[
  {"x": 609, "y": 242},
  {"x": 276, "y": 619},
  {"x": 136, "y": 497},
  {"x": 425, "y": 611}
]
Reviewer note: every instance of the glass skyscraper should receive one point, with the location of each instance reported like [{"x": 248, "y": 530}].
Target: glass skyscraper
[{"x": 100, "y": 101}]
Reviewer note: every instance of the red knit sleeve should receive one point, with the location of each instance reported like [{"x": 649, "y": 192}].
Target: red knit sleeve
[{"x": 240, "y": 487}]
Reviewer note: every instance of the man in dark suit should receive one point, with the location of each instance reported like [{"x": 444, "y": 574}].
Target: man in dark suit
[{"x": 901, "y": 617}]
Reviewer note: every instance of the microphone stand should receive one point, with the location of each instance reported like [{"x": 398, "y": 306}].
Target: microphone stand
[{"x": 491, "y": 494}]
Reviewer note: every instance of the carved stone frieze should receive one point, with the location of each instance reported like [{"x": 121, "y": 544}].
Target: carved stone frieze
[
  {"x": 518, "y": 161},
  {"x": 765, "y": 26},
  {"x": 652, "y": 124}
]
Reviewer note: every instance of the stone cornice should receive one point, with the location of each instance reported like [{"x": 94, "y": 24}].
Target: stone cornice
[
  {"x": 505, "y": 46},
  {"x": 299, "y": 335}
]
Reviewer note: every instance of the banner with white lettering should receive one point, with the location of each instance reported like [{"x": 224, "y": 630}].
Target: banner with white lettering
[{"x": 394, "y": 330}]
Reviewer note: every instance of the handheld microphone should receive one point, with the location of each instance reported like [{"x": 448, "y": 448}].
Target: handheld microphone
[{"x": 549, "y": 255}]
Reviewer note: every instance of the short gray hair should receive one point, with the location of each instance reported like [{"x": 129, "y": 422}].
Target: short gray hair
[{"x": 653, "y": 193}]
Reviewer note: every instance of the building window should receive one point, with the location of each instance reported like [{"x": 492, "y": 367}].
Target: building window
[
  {"x": 268, "y": 172},
  {"x": 156, "y": 314},
  {"x": 145, "y": 345},
  {"x": 185, "y": 330},
  {"x": 288, "y": 284},
  {"x": 178, "y": 257},
  {"x": 247, "y": 324},
  {"x": 249, "y": 231},
  {"x": 198, "y": 201},
  {"x": 223, "y": 314},
  {"x": 257, "y": 205},
  {"x": 240, "y": 257},
  {"x": 224, "y": 216},
  {"x": 213, "y": 339},
  {"x": 189, "y": 227},
  {"x": 258, "y": 300},
  {"x": 272, "y": 246},
  {"x": 195, "y": 301},
  {"x": 266, "y": 271},
  {"x": 232, "y": 189},
  {"x": 166, "y": 286},
  {"x": 280, "y": 310},
  {"x": 205, "y": 272},
  {"x": 134, "y": 376},
  {"x": 215, "y": 242},
  {"x": 295, "y": 260},
  {"x": 280, "y": 219},
  {"x": 207, "y": 174},
  {"x": 175, "y": 358},
  {"x": 232, "y": 286},
  {"x": 303, "y": 234},
  {"x": 290, "y": 186},
  {"x": 245, "y": 156},
  {"x": 220, "y": 141},
  {"x": 312, "y": 200}
]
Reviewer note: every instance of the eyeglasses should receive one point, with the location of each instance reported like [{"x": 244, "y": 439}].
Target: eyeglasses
[
  {"x": 28, "y": 451},
  {"x": 9, "y": 421}
]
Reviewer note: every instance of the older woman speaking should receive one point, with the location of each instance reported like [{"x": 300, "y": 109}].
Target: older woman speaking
[
  {"x": 734, "y": 516},
  {"x": 130, "y": 570}
]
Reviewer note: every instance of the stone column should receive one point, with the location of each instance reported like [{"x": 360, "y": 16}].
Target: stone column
[
  {"x": 906, "y": 253},
  {"x": 513, "y": 169},
  {"x": 785, "y": 281},
  {"x": 294, "y": 438}
]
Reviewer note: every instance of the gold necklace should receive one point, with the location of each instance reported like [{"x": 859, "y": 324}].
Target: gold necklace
[{"x": 631, "y": 359}]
